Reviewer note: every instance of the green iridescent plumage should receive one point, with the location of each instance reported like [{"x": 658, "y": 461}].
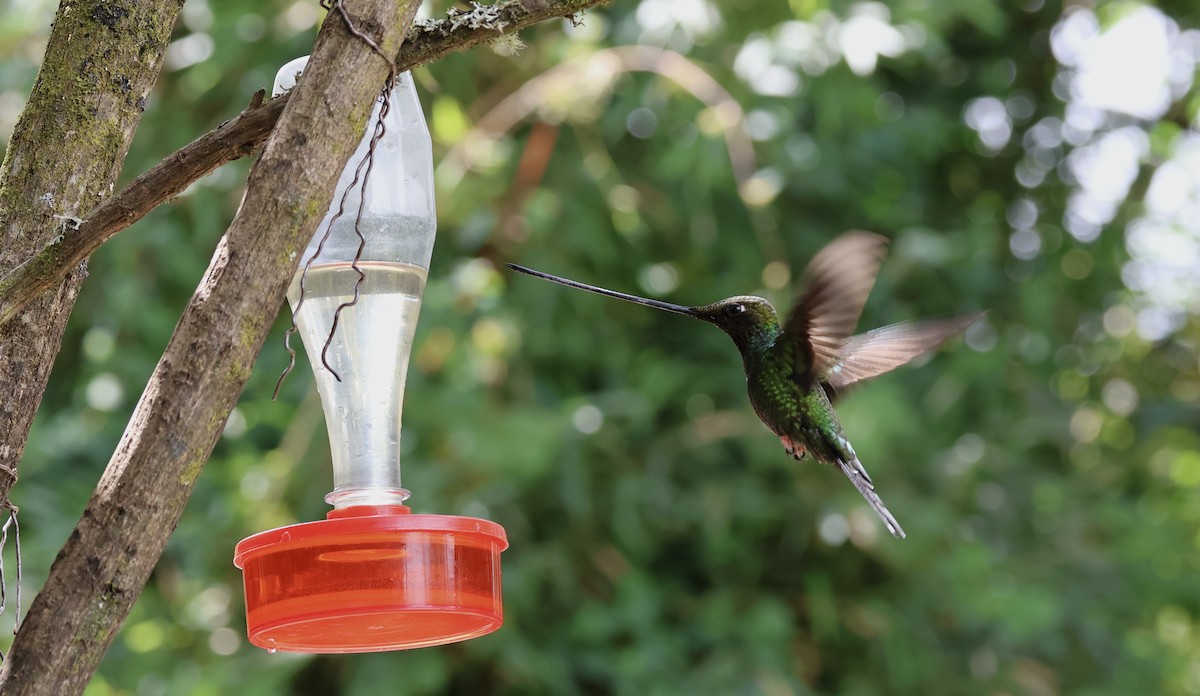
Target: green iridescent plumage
[{"x": 792, "y": 368}]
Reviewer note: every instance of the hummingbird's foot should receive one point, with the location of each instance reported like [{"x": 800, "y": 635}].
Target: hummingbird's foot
[{"x": 793, "y": 450}]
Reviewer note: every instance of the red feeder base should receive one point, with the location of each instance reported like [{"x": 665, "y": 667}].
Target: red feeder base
[{"x": 370, "y": 579}]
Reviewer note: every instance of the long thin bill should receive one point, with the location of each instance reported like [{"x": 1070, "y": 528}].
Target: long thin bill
[{"x": 666, "y": 306}]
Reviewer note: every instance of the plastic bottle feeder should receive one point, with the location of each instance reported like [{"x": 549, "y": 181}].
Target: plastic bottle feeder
[{"x": 372, "y": 576}]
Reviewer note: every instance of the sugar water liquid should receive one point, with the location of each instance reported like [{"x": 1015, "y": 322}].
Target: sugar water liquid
[{"x": 370, "y": 352}]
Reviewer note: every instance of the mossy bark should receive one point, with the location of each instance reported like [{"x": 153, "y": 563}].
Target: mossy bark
[
  {"x": 106, "y": 561},
  {"x": 102, "y": 58}
]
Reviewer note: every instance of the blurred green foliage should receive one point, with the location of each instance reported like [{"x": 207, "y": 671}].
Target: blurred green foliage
[{"x": 1046, "y": 468}]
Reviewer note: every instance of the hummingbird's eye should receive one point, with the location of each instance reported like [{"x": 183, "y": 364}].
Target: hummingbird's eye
[{"x": 735, "y": 309}]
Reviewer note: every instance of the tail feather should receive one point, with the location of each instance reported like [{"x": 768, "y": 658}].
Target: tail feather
[{"x": 858, "y": 476}]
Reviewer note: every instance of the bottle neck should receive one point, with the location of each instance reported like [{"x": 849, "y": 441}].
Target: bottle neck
[{"x": 341, "y": 499}]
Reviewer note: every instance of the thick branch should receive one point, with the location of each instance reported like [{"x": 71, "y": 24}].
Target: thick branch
[
  {"x": 105, "y": 563},
  {"x": 238, "y": 138},
  {"x": 101, "y": 60}
]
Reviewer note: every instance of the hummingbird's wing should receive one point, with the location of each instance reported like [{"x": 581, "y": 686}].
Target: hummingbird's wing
[
  {"x": 888, "y": 347},
  {"x": 837, "y": 282}
]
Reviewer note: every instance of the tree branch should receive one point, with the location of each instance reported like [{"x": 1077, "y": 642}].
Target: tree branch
[
  {"x": 106, "y": 561},
  {"x": 64, "y": 156},
  {"x": 240, "y": 137}
]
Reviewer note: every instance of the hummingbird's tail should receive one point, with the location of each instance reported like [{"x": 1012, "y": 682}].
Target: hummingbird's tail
[{"x": 857, "y": 474}]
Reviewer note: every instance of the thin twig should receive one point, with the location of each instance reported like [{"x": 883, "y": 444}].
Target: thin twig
[
  {"x": 12, "y": 511},
  {"x": 240, "y": 137},
  {"x": 12, "y": 517},
  {"x": 367, "y": 162},
  {"x": 11, "y": 522},
  {"x": 365, "y": 166},
  {"x": 385, "y": 107}
]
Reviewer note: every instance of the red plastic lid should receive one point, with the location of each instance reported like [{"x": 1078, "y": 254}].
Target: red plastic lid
[{"x": 371, "y": 579}]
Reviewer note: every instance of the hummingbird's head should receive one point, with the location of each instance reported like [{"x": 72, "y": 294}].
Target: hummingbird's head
[{"x": 750, "y": 321}]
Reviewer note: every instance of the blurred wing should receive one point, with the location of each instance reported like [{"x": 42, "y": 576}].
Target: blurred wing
[
  {"x": 884, "y": 349},
  {"x": 837, "y": 282}
]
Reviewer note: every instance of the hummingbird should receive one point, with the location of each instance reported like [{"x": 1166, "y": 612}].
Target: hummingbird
[{"x": 793, "y": 368}]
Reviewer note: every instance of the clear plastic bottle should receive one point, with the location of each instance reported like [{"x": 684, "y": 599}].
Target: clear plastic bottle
[{"x": 373, "y": 341}]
